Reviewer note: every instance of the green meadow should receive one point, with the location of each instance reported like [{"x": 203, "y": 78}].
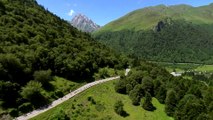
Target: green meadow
[{"x": 101, "y": 106}]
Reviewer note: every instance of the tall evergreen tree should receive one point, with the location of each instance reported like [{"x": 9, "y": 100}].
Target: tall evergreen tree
[
  {"x": 170, "y": 102},
  {"x": 147, "y": 102}
]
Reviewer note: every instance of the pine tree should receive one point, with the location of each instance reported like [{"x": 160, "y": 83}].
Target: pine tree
[{"x": 170, "y": 102}]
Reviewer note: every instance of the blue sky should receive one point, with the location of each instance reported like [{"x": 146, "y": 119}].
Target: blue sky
[{"x": 104, "y": 11}]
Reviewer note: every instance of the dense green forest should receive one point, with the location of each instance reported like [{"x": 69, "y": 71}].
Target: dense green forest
[
  {"x": 184, "y": 99},
  {"x": 170, "y": 41},
  {"x": 36, "y": 45},
  {"x": 178, "y": 33}
]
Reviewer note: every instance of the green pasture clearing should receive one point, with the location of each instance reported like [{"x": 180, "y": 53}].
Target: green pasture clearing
[
  {"x": 101, "y": 107},
  {"x": 205, "y": 68},
  {"x": 60, "y": 87},
  {"x": 181, "y": 67}
]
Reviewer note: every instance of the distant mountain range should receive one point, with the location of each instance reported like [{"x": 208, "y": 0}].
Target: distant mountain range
[
  {"x": 84, "y": 24},
  {"x": 179, "y": 33}
]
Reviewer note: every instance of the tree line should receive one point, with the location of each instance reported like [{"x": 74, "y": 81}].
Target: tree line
[
  {"x": 176, "y": 41},
  {"x": 184, "y": 99}
]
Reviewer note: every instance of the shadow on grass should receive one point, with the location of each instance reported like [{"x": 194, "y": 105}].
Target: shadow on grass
[
  {"x": 125, "y": 114},
  {"x": 49, "y": 87},
  {"x": 81, "y": 79}
]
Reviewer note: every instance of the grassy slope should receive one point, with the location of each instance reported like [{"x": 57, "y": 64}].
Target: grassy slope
[
  {"x": 147, "y": 18},
  {"x": 105, "y": 97},
  {"x": 63, "y": 85}
]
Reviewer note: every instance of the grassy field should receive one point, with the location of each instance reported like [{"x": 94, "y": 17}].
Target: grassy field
[
  {"x": 170, "y": 69},
  {"x": 203, "y": 68},
  {"x": 104, "y": 96},
  {"x": 181, "y": 67}
]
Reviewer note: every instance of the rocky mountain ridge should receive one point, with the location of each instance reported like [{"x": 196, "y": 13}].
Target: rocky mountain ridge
[{"x": 84, "y": 23}]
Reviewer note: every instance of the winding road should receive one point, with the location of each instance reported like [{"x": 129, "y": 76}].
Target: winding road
[{"x": 66, "y": 97}]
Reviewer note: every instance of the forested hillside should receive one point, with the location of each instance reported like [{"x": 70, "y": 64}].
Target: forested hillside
[
  {"x": 184, "y": 99},
  {"x": 172, "y": 34},
  {"x": 36, "y": 45}
]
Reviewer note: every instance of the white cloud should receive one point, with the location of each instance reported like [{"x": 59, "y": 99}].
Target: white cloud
[{"x": 71, "y": 12}]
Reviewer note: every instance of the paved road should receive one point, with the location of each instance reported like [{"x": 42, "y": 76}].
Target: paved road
[{"x": 66, "y": 97}]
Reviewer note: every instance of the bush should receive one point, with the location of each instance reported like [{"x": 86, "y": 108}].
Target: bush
[
  {"x": 91, "y": 99},
  {"x": 31, "y": 89},
  {"x": 120, "y": 86},
  {"x": 59, "y": 93},
  {"x": 43, "y": 76},
  {"x": 13, "y": 112},
  {"x": 33, "y": 92},
  {"x": 59, "y": 115},
  {"x": 118, "y": 107},
  {"x": 104, "y": 73}
]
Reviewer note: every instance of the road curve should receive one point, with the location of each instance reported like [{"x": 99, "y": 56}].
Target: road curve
[{"x": 66, "y": 97}]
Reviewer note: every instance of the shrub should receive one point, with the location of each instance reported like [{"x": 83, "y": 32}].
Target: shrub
[
  {"x": 43, "y": 76},
  {"x": 59, "y": 115},
  {"x": 118, "y": 107},
  {"x": 13, "y": 112},
  {"x": 59, "y": 93},
  {"x": 33, "y": 92}
]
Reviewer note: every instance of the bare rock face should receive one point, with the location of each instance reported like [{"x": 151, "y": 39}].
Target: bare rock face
[
  {"x": 84, "y": 24},
  {"x": 161, "y": 24}
]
